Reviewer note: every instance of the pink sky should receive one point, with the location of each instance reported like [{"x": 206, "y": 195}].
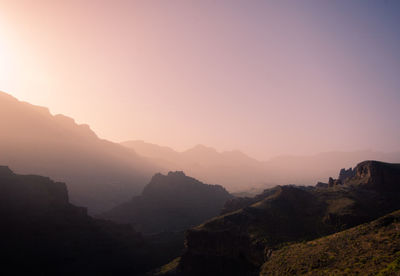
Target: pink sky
[{"x": 266, "y": 77}]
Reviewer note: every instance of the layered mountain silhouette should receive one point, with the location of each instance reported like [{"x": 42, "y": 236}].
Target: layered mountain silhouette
[
  {"x": 43, "y": 234},
  {"x": 99, "y": 173},
  {"x": 242, "y": 174},
  {"x": 173, "y": 202},
  {"x": 241, "y": 240},
  {"x": 232, "y": 169}
]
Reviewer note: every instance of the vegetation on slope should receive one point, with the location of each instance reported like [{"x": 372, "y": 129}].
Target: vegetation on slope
[{"x": 368, "y": 249}]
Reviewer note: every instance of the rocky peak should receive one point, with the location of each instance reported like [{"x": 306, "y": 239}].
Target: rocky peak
[
  {"x": 334, "y": 182},
  {"x": 344, "y": 174},
  {"x": 377, "y": 175},
  {"x": 177, "y": 174},
  {"x": 172, "y": 202},
  {"x": 177, "y": 183}
]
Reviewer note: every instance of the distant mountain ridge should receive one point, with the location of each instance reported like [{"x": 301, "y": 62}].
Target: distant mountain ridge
[
  {"x": 172, "y": 202},
  {"x": 99, "y": 173},
  {"x": 240, "y": 173}
]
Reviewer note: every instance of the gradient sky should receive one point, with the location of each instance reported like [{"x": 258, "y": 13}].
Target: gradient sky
[{"x": 266, "y": 77}]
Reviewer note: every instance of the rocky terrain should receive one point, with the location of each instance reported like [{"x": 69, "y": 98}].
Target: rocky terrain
[
  {"x": 369, "y": 249},
  {"x": 240, "y": 241},
  {"x": 172, "y": 202},
  {"x": 43, "y": 234}
]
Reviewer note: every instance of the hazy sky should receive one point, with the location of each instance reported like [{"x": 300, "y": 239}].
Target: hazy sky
[{"x": 266, "y": 77}]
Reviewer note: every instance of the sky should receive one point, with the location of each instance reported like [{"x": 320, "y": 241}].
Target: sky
[{"x": 266, "y": 77}]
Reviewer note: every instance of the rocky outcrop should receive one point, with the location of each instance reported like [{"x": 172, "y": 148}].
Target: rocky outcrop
[
  {"x": 334, "y": 182},
  {"x": 322, "y": 185},
  {"x": 383, "y": 177},
  {"x": 173, "y": 202},
  {"x": 240, "y": 241},
  {"x": 344, "y": 174}
]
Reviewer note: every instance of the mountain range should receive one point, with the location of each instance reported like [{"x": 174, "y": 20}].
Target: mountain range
[
  {"x": 240, "y": 173},
  {"x": 101, "y": 174},
  {"x": 347, "y": 225}
]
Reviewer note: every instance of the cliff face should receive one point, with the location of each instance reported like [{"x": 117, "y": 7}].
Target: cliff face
[
  {"x": 380, "y": 176},
  {"x": 43, "y": 234},
  {"x": 239, "y": 242},
  {"x": 172, "y": 202}
]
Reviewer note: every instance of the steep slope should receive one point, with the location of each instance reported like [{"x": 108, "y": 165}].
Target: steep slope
[
  {"x": 238, "y": 242},
  {"x": 43, "y": 234},
  {"x": 368, "y": 249},
  {"x": 99, "y": 173},
  {"x": 172, "y": 202}
]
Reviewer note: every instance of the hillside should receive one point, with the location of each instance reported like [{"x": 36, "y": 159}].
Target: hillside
[
  {"x": 43, "y": 234},
  {"x": 239, "y": 242},
  {"x": 99, "y": 173},
  {"x": 173, "y": 202},
  {"x": 368, "y": 249}
]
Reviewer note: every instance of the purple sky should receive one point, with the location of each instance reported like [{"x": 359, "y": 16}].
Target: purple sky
[{"x": 266, "y": 77}]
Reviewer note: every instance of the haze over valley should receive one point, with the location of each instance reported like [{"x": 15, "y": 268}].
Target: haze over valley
[{"x": 193, "y": 138}]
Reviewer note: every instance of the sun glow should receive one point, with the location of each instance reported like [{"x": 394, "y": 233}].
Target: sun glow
[{"x": 3, "y": 55}]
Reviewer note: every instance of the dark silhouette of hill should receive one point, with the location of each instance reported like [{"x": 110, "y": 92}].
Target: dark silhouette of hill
[
  {"x": 173, "y": 202},
  {"x": 99, "y": 173},
  {"x": 368, "y": 249},
  {"x": 43, "y": 234},
  {"x": 242, "y": 239},
  {"x": 240, "y": 173}
]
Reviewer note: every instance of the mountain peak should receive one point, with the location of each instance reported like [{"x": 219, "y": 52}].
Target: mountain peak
[
  {"x": 201, "y": 148},
  {"x": 177, "y": 174},
  {"x": 172, "y": 202}
]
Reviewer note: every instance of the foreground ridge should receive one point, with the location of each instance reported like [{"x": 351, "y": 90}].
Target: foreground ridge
[{"x": 369, "y": 249}]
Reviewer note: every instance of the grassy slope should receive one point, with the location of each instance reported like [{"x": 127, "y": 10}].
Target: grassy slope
[{"x": 368, "y": 249}]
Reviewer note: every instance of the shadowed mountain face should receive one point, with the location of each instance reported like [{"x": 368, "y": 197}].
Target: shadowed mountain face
[
  {"x": 173, "y": 202},
  {"x": 99, "y": 173},
  {"x": 239, "y": 173},
  {"x": 241, "y": 240},
  {"x": 43, "y": 234}
]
